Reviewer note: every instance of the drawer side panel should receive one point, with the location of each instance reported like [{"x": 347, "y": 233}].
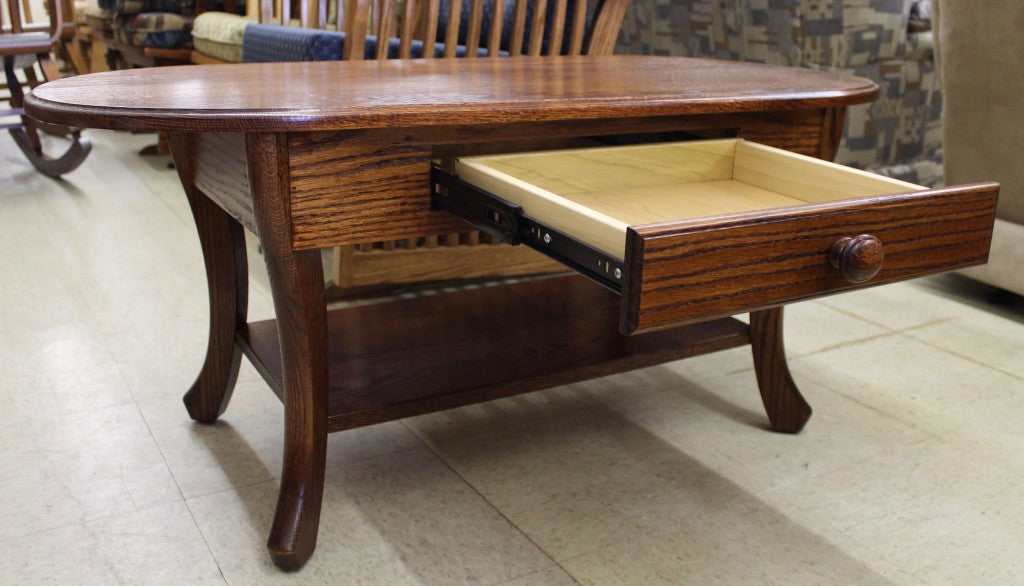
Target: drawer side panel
[
  {"x": 690, "y": 271},
  {"x": 221, "y": 173}
]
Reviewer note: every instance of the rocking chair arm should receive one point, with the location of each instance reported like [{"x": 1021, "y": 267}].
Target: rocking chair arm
[{"x": 56, "y": 19}]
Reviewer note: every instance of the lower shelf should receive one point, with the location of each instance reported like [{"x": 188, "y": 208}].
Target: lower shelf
[{"x": 408, "y": 357}]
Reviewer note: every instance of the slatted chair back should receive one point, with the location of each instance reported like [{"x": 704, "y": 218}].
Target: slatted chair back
[
  {"x": 479, "y": 27},
  {"x": 16, "y": 18},
  {"x": 380, "y": 29}
]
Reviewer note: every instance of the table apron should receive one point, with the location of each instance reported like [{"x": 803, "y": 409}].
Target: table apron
[{"x": 359, "y": 186}]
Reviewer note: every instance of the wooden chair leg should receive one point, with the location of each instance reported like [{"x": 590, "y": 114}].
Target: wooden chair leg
[
  {"x": 17, "y": 100},
  {"x": 786, "y": 407},
  {"x": 297, "y": 284},
  {"x": 223, "y": 245}
]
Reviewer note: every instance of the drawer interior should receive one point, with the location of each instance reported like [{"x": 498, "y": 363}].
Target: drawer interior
[{"x": 595, "y": 194}]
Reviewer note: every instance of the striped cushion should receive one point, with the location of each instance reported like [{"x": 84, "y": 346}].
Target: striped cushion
[
  {"x": 161, "y": 30},
  {"x": 219, "y": 35}
]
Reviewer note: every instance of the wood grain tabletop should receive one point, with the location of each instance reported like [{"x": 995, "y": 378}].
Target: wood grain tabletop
[{"x": 307, "y": 96}]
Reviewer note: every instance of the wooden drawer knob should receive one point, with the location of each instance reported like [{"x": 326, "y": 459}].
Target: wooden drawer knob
[{"x": 858, "y": 258}]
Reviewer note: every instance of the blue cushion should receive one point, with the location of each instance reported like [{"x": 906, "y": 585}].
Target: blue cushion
[
  {"x": 266, "y": 42},
  {"x": 263, "y": 43},
  {"x": 183, "y": 7}
]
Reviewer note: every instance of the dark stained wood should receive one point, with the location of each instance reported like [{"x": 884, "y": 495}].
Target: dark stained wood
[
  {"x": 222, "y": 175},
  {"x": 709, "y": 267},
  {"x": 505, "y": 340},
  {"x": 774, "y": 128},
  {"x": 323, "y": 142},
  {"x": 297, "y": 282},
  {"x": 437, "y": 92},
  {"x": 227, "y": 280},
  {"x": 786, "y": 407},
  {"x": 353, "y": 187},
  {"x": 857, "y": 259},
  {"x": 831, "y": 132},
  {"x": 797, "y": 132}
]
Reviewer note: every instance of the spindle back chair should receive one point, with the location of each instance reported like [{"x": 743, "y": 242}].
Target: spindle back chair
[{"x": 469, "y": 28}]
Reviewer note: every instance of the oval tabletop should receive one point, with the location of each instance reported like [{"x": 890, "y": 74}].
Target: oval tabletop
[{"x": 328, "y": 95}]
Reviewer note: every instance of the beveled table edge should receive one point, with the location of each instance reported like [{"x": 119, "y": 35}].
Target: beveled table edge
[{"x": 495, "y": 91}]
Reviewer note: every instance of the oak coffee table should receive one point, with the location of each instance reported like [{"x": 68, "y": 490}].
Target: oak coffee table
[{"x": 668, "y": 239}]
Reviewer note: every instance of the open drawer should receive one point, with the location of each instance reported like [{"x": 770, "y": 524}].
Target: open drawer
[{"x": 690, "y": 231}]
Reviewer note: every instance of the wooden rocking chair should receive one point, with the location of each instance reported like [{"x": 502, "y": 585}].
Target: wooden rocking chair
[{"x": 21, "y": 47}]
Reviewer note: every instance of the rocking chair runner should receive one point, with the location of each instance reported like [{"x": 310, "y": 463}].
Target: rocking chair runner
[{"x": 21, "y": 49}]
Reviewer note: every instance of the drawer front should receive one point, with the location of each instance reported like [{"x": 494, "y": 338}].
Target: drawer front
[
  {"x": 707, "y": 229},
  {"x": 693, "y": 270}
]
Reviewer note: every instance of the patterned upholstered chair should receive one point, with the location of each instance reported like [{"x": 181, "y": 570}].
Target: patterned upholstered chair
[
  {"x": 146, "y": 33},
  {"x": 889, "y": 41}
]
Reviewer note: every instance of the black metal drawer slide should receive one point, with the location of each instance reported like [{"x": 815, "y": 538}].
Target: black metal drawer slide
[{"x": 505, "y": 220}]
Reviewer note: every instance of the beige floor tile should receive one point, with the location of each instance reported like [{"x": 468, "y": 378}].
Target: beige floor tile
[
  {"x": 752, "y": 545},
  {"x": 38, "y": 301},
  {"x": 159, "y": 357},
  {"x": 985, "y": 553},
  {"x": 813, "y": 326},
  {"x": 554, "y": 576},
  {"x": 159, "y": 545},
  {"x": 244, "y": 448},
  {"x": 941, "y": 394},
  {"x": 985, "y": 338},
  {"x": 83, "y": 374},
  {"x": 917, "y": 503},
  {"x": 903, "y": 305},
  {"x": 78, "y": 467},
  {"x": 581, "y": 481},
  {"x": 639, "y": 450},
  {"x": 400, "y": 519}
]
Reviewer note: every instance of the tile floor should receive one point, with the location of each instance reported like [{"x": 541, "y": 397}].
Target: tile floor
[{"x": 911, "y": 470}]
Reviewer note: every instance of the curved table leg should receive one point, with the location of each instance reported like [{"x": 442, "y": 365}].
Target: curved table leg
[
  {"x": 223, "y": 244},
  {"x": 786, "y": 407},
  {"x": 297, "y": 282}
]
